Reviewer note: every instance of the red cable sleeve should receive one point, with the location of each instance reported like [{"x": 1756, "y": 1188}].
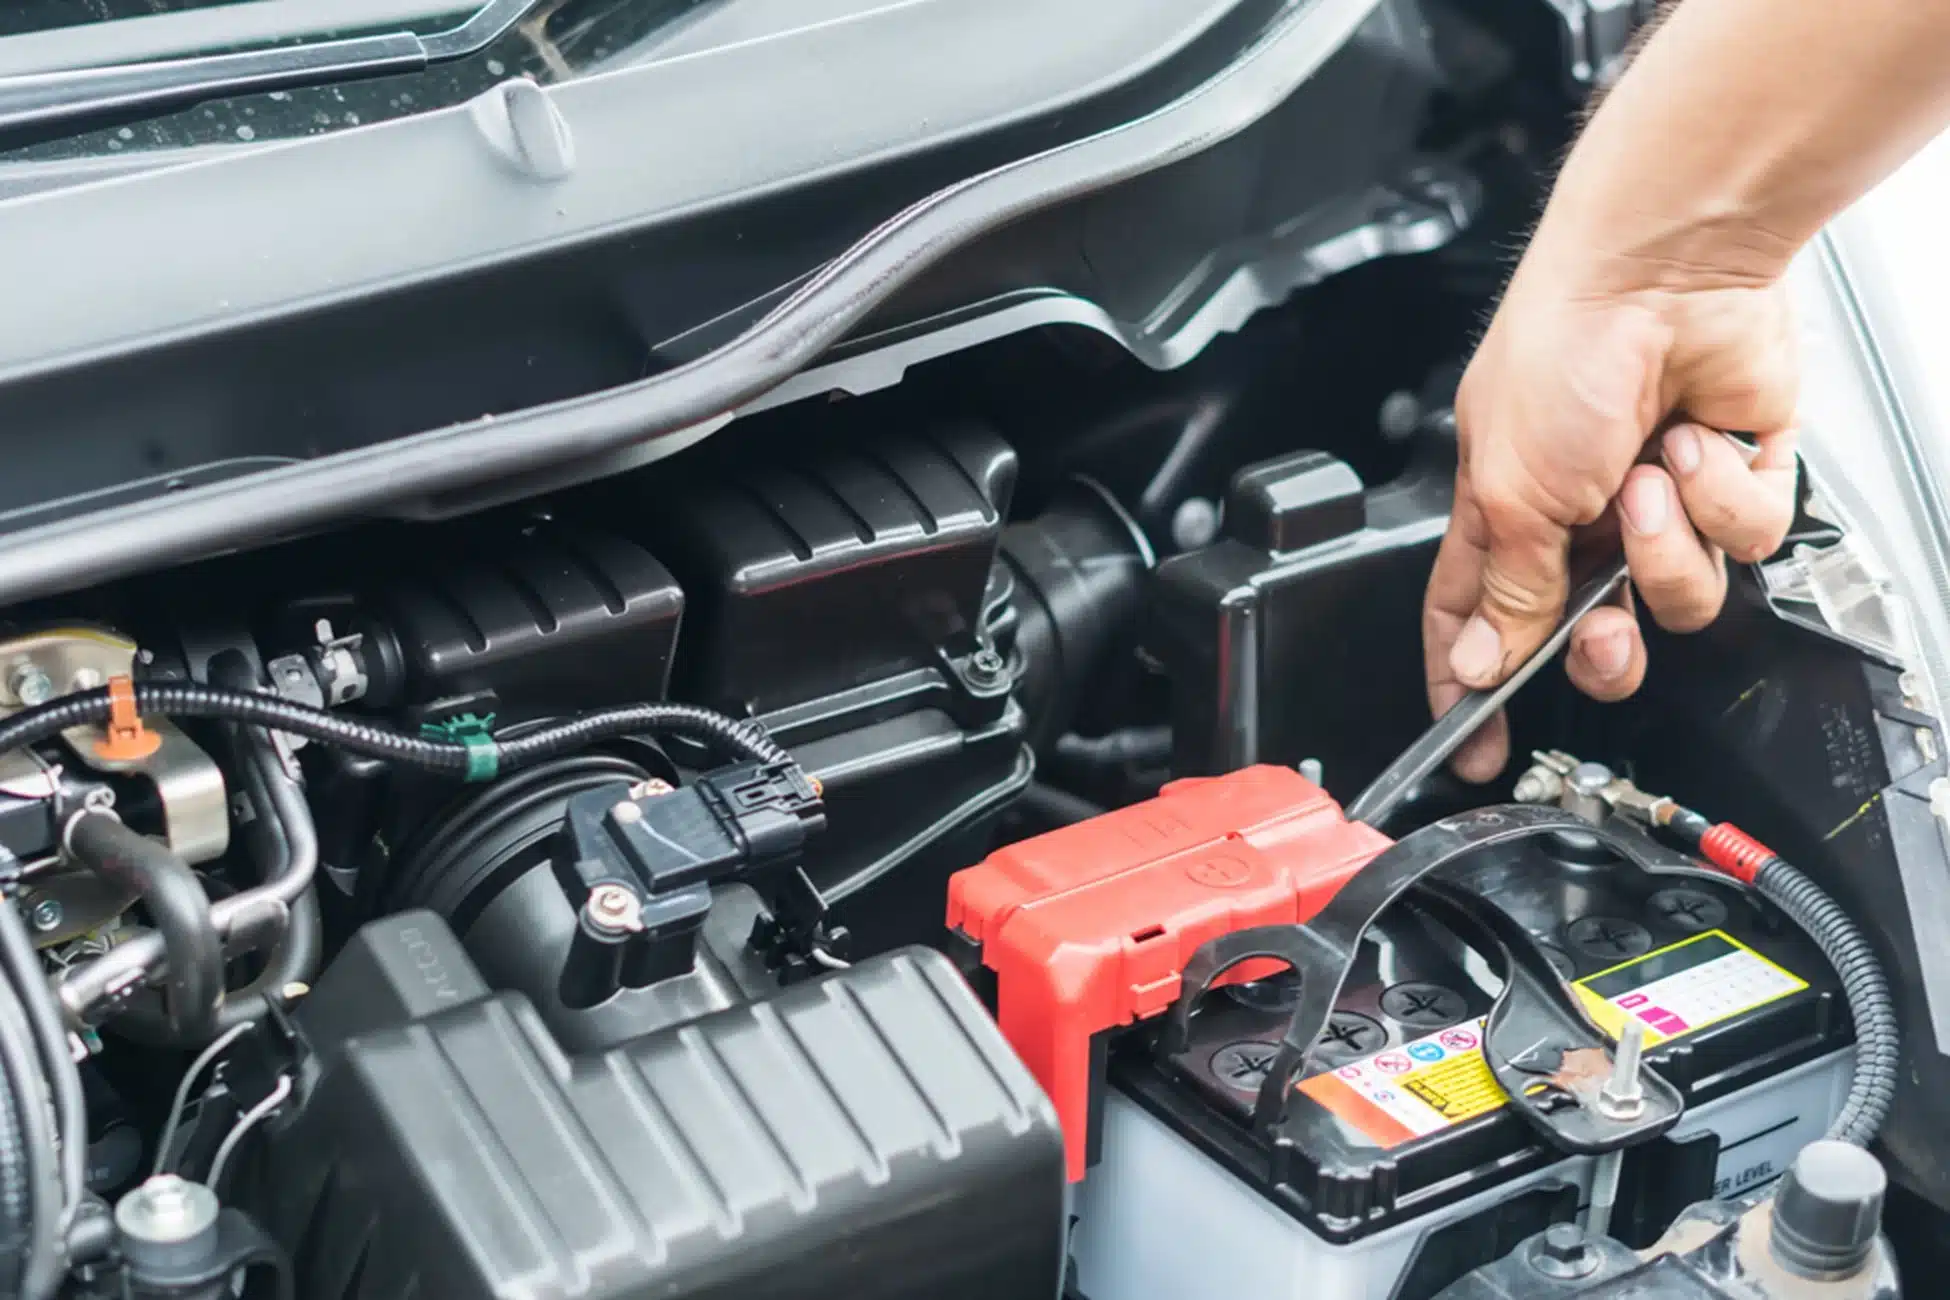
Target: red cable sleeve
[{"x": 1735, "y": 852}]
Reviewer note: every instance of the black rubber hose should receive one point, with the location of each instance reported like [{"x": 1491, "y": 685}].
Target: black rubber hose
[
  {"x": 22, "y": 966},
  {"x": 1878, "y": 1048},
  {"x": 45, "y": 1260},
  {"x": 177, "y": 906},
  {"x": 738, "y": 740},
  {"x": 1058, "y": 807},
  {"x": 290, "y": 842}
]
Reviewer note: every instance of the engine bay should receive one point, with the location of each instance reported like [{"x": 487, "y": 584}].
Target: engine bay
[{"x": 912, "y": 842}]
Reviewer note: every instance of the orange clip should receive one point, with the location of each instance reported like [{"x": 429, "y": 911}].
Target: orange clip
[{"x": 127, "y": 740}]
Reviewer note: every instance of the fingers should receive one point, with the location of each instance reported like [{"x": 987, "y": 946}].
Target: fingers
[
  {"x": 1743, "y": 508},
  {"x": 1447, "y": 606},
  {"x": 1607, "y": 656},
  {"x": 1521, "y": 588},
  {"x": 1682, "y": 579}
]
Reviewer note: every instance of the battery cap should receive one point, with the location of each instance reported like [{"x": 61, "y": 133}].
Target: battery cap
[{"x": 1828, "y": 1211}]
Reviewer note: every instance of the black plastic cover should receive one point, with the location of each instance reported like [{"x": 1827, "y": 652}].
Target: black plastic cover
[
  {"x": 824, "y": 573},
  {"x": 1317, "y": 583},
  {"x": 549, "y": 620},
  {"x": 868, "y": 1134}
]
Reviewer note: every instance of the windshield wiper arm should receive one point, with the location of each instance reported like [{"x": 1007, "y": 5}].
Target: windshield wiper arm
[{"x": 47, "y": 97}]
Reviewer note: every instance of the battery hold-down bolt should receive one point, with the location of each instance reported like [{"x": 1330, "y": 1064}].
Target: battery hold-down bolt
[{"x": 1621, "y": 1097}]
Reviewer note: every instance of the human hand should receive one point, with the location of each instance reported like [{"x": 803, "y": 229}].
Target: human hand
[{"x": 1557, "y": 417}]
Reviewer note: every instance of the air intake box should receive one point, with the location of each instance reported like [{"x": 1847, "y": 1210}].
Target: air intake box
[{"x": 867, "y": 1134}]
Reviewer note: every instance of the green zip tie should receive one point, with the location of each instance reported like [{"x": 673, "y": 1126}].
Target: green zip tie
[
  {"x": 475, "y": 733},
  {"x": 483, "y": 758}
]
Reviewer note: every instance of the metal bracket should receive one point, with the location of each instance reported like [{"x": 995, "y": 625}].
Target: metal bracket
[
  {"x": 1539, "y": 1034},
  {"x": 46, "y": 665}
]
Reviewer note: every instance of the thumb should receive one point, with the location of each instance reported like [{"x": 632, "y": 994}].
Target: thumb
[{"x": 1525, "y": 582}]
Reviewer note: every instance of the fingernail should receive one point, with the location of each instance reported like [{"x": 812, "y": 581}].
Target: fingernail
[
  {"x": 1683, "y": 449},
  {"x": 1477, "y": 653},
  {"x": 1610, "y": 654},
  {"x": 1647, "y": 504}
]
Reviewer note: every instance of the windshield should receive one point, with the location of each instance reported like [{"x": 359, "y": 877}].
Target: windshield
[{"x": 546, "y": 40}]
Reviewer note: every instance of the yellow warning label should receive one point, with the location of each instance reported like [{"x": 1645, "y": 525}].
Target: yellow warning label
[
  {"x": 1441, "y": 1079},
  {"x": 1459, "y": 1088}
]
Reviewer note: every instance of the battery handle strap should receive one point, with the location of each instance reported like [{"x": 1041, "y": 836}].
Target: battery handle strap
[{"x": 1322, "y": 954}]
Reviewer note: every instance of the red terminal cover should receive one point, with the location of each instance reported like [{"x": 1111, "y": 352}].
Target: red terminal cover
[{"x": 1087, "y": 928}]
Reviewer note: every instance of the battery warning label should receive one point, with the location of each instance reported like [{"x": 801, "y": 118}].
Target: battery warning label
[{"x": 1441, "y": 1079}]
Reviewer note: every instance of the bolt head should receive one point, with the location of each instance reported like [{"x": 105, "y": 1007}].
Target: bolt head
[
  {"x": 1194, "y": 524},
  {"x": 1563, "y": 1252},
  {"x": 985, "y": 665},
  {"x": 614, "y": 909},
  {"x": 1589, "y": 778},
  {"x": 30, "y": 684},
  {"x": 166, "y": 1210},
  {"x": 626, "y": 811},
  {"x": 46, "y": 915}
]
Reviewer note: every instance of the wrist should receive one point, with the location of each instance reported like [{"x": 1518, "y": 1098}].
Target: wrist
[
  {"x": 1600, "y": 245},
  {"x": 1625, "y": 218}
]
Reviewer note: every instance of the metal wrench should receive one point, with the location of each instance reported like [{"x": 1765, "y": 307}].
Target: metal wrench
[{"x": 1442, "y": 740}]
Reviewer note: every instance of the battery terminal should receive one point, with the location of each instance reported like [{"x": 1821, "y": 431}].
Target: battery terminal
[{"x": 1590, "y": 789}]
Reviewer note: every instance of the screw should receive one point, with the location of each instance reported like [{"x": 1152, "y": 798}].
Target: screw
[
  {"x": 1604, "y": 1192},
  {"x": 1622, "y": 1096},
  {"x": 30, "y": 683},
  {"x": 1313, "y": 770},
  {"x": 614, "y": 909},
  {"x": 985, "y": 667},
  {"x": 46, "y": 915},
  {"x": 85, "y": 679}
]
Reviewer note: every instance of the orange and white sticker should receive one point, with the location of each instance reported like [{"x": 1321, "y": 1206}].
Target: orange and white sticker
[{"x": 1441, "y": 1079}]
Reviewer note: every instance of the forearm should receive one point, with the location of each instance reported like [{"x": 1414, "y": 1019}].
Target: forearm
[{"x": 1742, "y": 127}]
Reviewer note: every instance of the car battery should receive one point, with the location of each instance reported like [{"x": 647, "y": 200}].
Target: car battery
[
  {"x": 1399, "y": 1165},
  {"x": 1085, "y": 931}
]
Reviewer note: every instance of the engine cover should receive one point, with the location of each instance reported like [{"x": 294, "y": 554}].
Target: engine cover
[{"x": 867, "y": 1134}]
